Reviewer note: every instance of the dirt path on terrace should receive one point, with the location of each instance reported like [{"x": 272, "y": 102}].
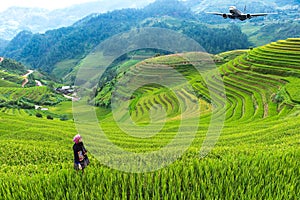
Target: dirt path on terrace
[{"x": 25, "y": 77}]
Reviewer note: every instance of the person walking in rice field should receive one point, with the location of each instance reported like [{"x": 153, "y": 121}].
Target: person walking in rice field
[{"x": 81, "y": 159}]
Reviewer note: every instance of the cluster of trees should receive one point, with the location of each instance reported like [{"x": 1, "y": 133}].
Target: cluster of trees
[
  {"x": 28, "y": 98},
  {"x": 213, "y": 40},
  {"x": 51, "y": 117},
  {"x": 13, "y": 67},
  {"x": 281, "y": 30},
  {"x": 20, "y": 103}
]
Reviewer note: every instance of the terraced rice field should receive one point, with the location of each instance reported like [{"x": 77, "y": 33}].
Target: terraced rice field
[
  {"x": 9, "y": 80},
  {"x": 35, "y": 95},
  {"x": 259, "y": 75},
  {"x": 252, "y": 82},
  {"x": 255, "y": 157}
]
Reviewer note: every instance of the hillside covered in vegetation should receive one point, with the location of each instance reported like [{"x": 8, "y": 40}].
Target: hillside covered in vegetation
[
  {"x": 19, "y": 91},
  {"x": 256, "y": 155}
]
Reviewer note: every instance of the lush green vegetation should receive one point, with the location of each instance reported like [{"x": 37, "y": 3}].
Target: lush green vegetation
[
  {"x": 14, "y": 98},
  {"x": 292, "y": 90},
  {"x": 256, "y": 156},
  {"x": 13, "y": 67},
  {"x": 10, "y": 80},
  {"x": 12, "y": 74},
  {"x": 260, "y": 35},
  {"x": 28, "y": 97}
]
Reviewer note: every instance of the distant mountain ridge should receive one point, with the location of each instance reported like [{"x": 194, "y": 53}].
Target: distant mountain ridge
[
  {"x": 37, "y": 20},
  {"x": 45, "y": 51},
  {"x": 250, "y": 6}
]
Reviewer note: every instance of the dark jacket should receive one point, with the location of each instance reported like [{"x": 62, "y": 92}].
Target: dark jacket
[{"x": 79, "y": 152}]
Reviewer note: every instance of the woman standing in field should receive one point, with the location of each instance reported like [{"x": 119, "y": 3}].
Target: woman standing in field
[{"x": 81, "y": 159}]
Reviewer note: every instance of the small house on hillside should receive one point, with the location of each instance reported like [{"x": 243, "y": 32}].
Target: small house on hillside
[{"x": 66, "y": 90}]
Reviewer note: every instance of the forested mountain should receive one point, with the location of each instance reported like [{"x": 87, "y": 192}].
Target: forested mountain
[
  {"x": 280, "y": 26},
  {"x": 37, "y": 20},
  {"x": 3, "y": 44},
  {"x": 279, "y": 31},
  {"x": 44, "y": 51},
  {"x": 246, "y": 5}
]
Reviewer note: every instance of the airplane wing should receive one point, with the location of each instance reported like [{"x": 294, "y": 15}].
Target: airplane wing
[
  {"x": 224, "y": 15},
  {"x": 258, "y": 14},
  {"x": 249, "y": 16},
  {"x": 215, "y": 13},
  {"x": 261, "y": 14}
]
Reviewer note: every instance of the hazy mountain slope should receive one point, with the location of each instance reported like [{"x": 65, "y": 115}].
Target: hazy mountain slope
[
  {"x": 16, "y": 19},
  {"x": 260, "y": 30},
  {"x": 3, "y": 44},
  {"x": 250, "y": 5},
  {"x": 278, "y": 30},
  {"x": 286, "y": 10}
]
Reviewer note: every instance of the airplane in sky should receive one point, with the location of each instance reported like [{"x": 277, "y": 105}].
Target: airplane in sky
[{"x": 237, "y": 14}]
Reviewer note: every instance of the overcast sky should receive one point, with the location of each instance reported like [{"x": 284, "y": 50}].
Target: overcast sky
[{"x": 48, "y": 4}]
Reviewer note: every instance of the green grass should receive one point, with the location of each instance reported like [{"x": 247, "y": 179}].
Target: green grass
[
  {"x": 230, "y": 55},
  {"x": 63, "y": 68},
  {"x": 249, "y": 29},
  {"x": 28, "y": 97},
  {"x": 255, "y": 157},
  {"x": 293, "y": 89},
  {"x": 4, "y": 83},
  {"x": 257, "y": 160},
  {"x": 10, "y": 80},
  {"x": 63, "y": 108}
]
